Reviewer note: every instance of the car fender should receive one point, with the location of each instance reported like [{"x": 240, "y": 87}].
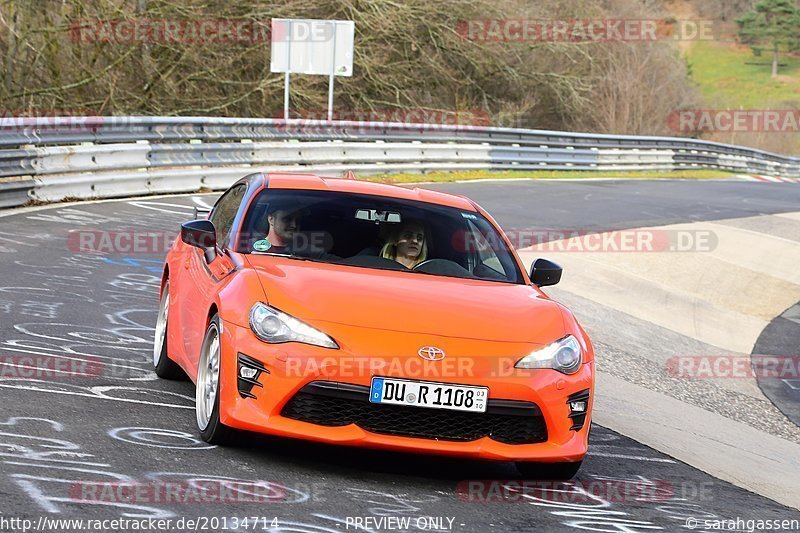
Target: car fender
[
  {"x": 573, "y": 327},
  {"x": 237, "y": 297}
]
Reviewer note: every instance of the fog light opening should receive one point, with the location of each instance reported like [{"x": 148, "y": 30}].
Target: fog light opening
[
  {"x": 578, "y": 408},
  {"x": 249, "y": 372}
]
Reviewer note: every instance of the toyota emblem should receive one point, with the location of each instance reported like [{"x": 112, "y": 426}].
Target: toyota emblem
[{"x": 431, "y": 353}]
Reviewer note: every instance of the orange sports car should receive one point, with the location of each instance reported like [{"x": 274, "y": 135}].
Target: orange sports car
[{"x": 366, "y": 314}]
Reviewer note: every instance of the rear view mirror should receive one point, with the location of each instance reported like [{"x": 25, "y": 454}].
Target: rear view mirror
[
  {"x": 373, "y": 215},
  {"x": 544, "y": 273}
]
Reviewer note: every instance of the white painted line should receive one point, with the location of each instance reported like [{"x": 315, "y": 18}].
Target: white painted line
[
  {"x": 793, "y": 384},
  {"x": 201, "y": 203},
  {"x": 162, "y": 207},
  {"x": 633, "y": 457},
  {"x": 60, "y": 205},
  {"x": 726, "y": 449}
]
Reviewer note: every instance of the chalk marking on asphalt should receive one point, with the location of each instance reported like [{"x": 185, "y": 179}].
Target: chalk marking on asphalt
[
  {"x": 139, "y": 435},
  {"x": 37, "y": 495},
  {"x": 101, "y": 396},
  {"x": 59, "y": 350},
  {"x": 121, "y": 340},
  {"x": 109, "y": 357},
  {"x": 58, "y": 426},
  {"x": 592, "y": 516},
  {"x": 634, "y": 457},
  {"x": 85, "y": 463}
]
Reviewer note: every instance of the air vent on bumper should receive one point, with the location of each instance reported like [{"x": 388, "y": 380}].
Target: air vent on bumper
[
  {"x": 248, "y": 373},
  {"x": 578, "y": 408}
]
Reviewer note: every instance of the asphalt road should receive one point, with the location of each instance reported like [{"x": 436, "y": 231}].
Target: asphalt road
[
  {"x": 781, "y": 337},
  {"x": 75, "y": 433}
]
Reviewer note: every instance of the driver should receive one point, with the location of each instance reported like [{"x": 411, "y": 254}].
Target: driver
[
  {"x": 284, "y": 235},
  {"x": 284, "y": 223},
  {"x": 407, "y": 244}
]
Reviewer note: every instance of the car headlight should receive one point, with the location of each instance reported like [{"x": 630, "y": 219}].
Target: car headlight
[
  {"x": 271, "y": 325},
  {"x": 563, "y": 355}
]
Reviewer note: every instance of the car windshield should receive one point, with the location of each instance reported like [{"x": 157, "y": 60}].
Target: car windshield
[{"x": 376, "y": 232}]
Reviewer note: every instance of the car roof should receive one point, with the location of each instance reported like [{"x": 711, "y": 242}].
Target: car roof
[{"x": 280, "y": 180}]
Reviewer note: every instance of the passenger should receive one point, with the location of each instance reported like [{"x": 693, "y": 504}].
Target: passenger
[{"x": 407, "y": 245}]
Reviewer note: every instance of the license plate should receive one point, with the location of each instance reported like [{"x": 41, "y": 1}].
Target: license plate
[{"x": 429, "y": 394}]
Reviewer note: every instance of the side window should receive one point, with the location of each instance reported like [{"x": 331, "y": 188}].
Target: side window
[
  {"x": 225, "y": 212},
  {"x": 485, "y": 252}
]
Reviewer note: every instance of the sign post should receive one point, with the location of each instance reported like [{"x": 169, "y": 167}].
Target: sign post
[
  {"x": 308, "y": 46},
  {"x": 286, "y": 82}
]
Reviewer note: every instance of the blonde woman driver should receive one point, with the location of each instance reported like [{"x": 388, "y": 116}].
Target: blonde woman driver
[{"x": 407, "y": 245}]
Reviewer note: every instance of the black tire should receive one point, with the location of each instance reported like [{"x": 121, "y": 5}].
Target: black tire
[
  {"x": 214, "y": 432},
  {"x": 548, "y": 471},
  {"x": 164, "y": 367}
]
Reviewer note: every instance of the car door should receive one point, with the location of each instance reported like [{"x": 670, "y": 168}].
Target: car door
[{"x": 201, "y": 277}]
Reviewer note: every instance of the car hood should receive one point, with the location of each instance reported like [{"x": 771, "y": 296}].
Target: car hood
[{"x": 408, "y": 302}]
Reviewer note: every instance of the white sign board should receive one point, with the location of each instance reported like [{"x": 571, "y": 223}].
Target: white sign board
[{"x": 305, "y": 46}]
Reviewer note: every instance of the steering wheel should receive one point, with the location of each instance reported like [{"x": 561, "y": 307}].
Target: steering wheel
[
  {"x": 443, "y": 267},
  {"x": 418, "y": 265}
]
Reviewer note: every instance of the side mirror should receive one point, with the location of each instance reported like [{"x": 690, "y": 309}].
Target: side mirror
[
  {"x": 199, "y": 233},
  {"x": 544, "y": 273}
]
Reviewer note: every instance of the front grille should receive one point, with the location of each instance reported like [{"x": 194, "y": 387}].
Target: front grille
[{"x": 327, "y": 403}]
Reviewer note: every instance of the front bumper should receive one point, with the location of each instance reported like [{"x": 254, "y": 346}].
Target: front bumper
[{"x": 288, "y": 368}]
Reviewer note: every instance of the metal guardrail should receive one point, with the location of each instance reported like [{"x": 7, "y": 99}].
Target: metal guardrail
[{"x": 94, "y": 157}]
